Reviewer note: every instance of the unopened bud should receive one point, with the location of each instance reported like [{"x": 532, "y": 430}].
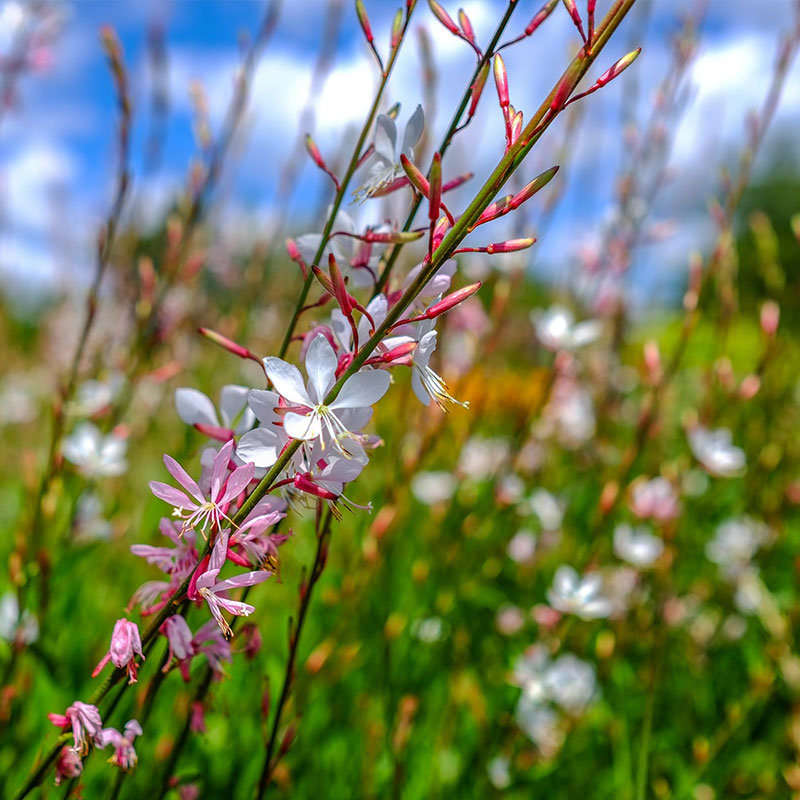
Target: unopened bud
[
  {"x": 227, "y": 344},
  {"x": 456, "y": 182},
  {"x": 576, "y": 17},
  {"x": 516, "y": 127},
  {"x": 450, "y": 301},
  {"x": 538, "y": 183},
  {"x": 417, "y": 179},
  {"x": 618, "y": 68},
  {"x": 770, "y": 317},
  {"x": 476, "y": 90},
  {"x": 466, "y": 25},
  {"x": 501, "y": 81},
  {"x": 510, "y": 246},
  {"x": 749, "y": 387},
  {"x": 288, "y": 738},
  {"x": 363, "y": 20},
  {"x": 435, "y": 185},
  {"x": 444, "y": 17},
  {"x": 391, "y": 237},
  {"x": 608, "y": 496},
  {"x": 652, "y": 361},
  {"x": 541, "y": 15}
]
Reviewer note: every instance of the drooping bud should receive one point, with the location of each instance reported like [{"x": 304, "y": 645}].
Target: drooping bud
[
  {"x": 435, "y": 199},
  {"x": 444, "y": 17},
  {"x": 317, "y": 158},
  {"x": 476, "y": 90},
  {"x": 572, "y": 8},
  {"x": 228, "y": 344}
]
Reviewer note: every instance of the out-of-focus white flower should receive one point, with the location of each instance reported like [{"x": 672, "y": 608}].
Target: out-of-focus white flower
[
  {"x": 90, "y": 524},
  {"x": 481, "y": 458},
  {"x": 619, "y": 584},
  {"x": 13, "y": 628},
  {"x": 735, "y": 543},
  {"x": 94, "y": 454},
  {"x": 499, "y": 772},
  {"x": 17, "y": 400},
  {"x": 429, "y": 630},
  {"x": 556, "y": 328},
  {"x": 636, "y": 545},
  {"x": 750, "y": 592},
  {"x": 570, "y": 683},
  {"x": 384, "y": 164},
  {"x": 582, "y": 596},
  {"x": 195, "y": 408},
  {"x": 655, "y": 499},
  {"x": 522, "y": 547},
  {"x": 716, "y": 452},
  {"x": 570, "y": 413},
  {"x": 433, "y": 487},
  {"x": 93, "y": 396},
  {"x": 547, "y": 507},
  {"x": 541, "y": 725},
  {"x": 529, "y": 671},
  {"x": 510, "y": 489}
]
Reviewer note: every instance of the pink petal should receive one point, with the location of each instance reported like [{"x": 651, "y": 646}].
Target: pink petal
[
  {"x": 220, "y": 468},
  {"x": 237, "y": 482},
  {"x": 183, "y": 478},
  {"x": 245, "y": 579},
  {"x": 169, "y": 494},
  {"x": 236, "y": 607}
]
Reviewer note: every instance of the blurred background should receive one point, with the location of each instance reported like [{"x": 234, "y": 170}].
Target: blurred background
[{"x": 447, "y": 653}]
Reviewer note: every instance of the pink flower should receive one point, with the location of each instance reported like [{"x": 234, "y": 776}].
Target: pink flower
[
  {"x": 656, "y": 499},
  {"x": 85, "y": 722},
  {"x": 125, "y": 645},
  {"x": 198, "y": 509},
  {"x": 68, "y": 765},
  {"x": 124, "y": 755},
  {"x": 214, "y": 592},
  {"x": 178, "y": 560},
  {"x": 179, "y": 639}
]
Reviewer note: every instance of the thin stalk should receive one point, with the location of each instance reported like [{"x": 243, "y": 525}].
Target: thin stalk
[
  {"x": 342, "y": 191},
  {"x": 446, "y": 141},
  {"x": 317, "y": 567}
]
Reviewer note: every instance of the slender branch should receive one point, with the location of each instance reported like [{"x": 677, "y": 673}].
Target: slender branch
[
  {"x": 342, "y": 191},
  {"x": 306, "y": 589}
]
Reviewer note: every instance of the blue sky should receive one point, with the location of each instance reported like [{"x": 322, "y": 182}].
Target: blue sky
[{"x": 57, "y": 145}]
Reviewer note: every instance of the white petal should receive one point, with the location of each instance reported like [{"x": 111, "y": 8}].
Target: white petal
[
  {"x": 308, "y": 244},
  {"x": 413, "y": 131},
  {"x": 385, "y": 138},
  {"x": 260, "y": 447},
  {"x": 321, "y": 365},
  {"x": 363, "y": 389},
  {"x": 287, "y": 380},
  {"x": 193, "y": 407},
  {"x": 232, "y": 401},
  {"x": 263, "y": 404},
  {"x": 300, "y": 426},
  {"x": 341, "y": 329},
  {"x": 419, "y": 388}
]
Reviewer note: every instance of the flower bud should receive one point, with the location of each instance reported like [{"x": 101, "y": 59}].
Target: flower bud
[
  {"x": 435, "y": 185},
  {"x": 466, "y": 26},
  {"x": 770, "y": 317},
  {"x": 444, "y": 17},
  {"x": 476, "y": 90},
  {"x": 541, "y": 15},
  {"x": 227, "y": 344},
  {"x": 501, "y": 81},
  {"x": 363, "y": 20}
]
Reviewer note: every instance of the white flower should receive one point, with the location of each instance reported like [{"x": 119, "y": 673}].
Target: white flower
[
  {"x": 572, "y": 594},
  {"x": 716, "y": 452},
  {"x": 431, "y": 488},
  {"x": 357, "y": 260},
  {"x": 263, "y": 445},
  {"x": 311, "y": 418},
  {"x": 24, "y": 629},
  {"x": 94, "y": 454},
  {"x": 428, "y": 630},
  {"x": 499, "y": 772},
  {"x": 481, "y": 458},
  {"x": 735, "y": 543},
  {"x": 571, "y": 411},
  {"x": 90, "y": 524},
  {"x": 384, "y": 164},
  {"x": 556, "y": 329},
  {"x": 529, "y": 671},
  {"x": 548, "y": 508},
  {"x": 540, "y": 724},
  {"x": 636, "y": 545},
  {"x": 570, "y": 683},
  {"x": 194, "y": 408},
  {"x": 426, "y": 383},
  {"x": 93, "y": 396}
]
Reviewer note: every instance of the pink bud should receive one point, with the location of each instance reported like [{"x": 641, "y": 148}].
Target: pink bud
[
  {"x": 770, "y": 317},
  {"x": 510, "y": 246},
  {"x": 397, "y": 30},
  {"x": 476, "y": 90},
  {"x": 450, "y": 301},
  {"x": 444, "y": 17},
  {"x": 541, "y": 15},
  {"x": 227, "y": 344},
  {"x": 576, "y": 17},
  {"x": 560, "y": 96},
  {"x": 456, "y": 182},
  {"x": 501, "y": 81},
  {"x": 363, "y": 20},
  {"x": 539, "y": 182},
  {"x": 466, "y": 26},
  {"x": 435, "y": 185},
  {"x": 618, "y": 68},
  {"x": 652, "y": 361},
  {"x": 749, "y": 387},
  {"x": 417, "y": 179}
]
